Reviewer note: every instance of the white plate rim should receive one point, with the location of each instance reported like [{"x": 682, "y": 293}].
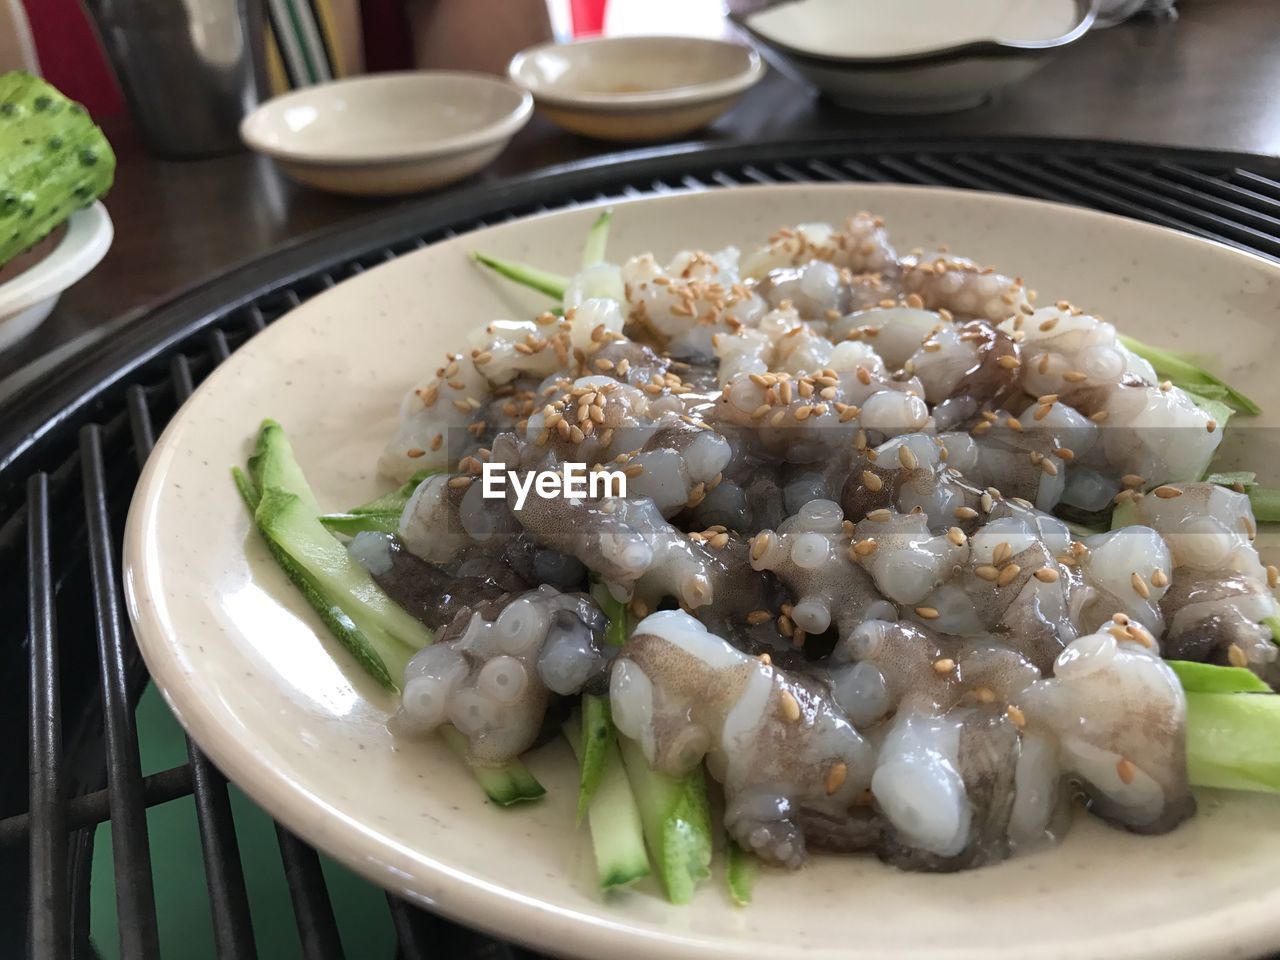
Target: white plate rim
[{"x": 523, "y": 917}]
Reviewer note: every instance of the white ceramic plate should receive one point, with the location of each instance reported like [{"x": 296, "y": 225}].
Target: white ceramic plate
[{"x": 281, "y": 709}]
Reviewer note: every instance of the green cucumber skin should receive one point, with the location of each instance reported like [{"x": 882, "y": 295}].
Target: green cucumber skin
[
  {"x": 380, "y": 635},
  {"x": 505, "y": 786},
  {"x": 339, "y": 624},
  {"x": 617, "y": 833},
  {"x": 740, "y": 870},
  {"x": 677, "y": 822},
  {"x": 597, "y": 734},
  {"x": 53, "y": 161},
  {"x": 349, "y": 524}
]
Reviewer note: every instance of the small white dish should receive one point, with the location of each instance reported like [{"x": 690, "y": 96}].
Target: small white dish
[
  {"x": 636, "y": 88},
  {"x": 389, "y": 133},
  {"x": 31, "y": 283},
  {"x": 280, "y": 708},
  {"x": 912, "y": 56}
]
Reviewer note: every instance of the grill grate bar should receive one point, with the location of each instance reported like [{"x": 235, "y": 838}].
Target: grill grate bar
[
  {"x": 135, "y": 897},
  {"x": 910, "y": 174},
  {"x": 91, "y": 809},
  {"x": 1004, "y": 180},
  {"x": 224, "y": 871},
  {"x": 413, "y": 929},
  {"x": 1256, "y": 183},
  {"x": 50, "y": 931},
  {"x": 1262, "y": 214},
  {"x": 1181, "y": 215},
  {"x": 317, "y": 928},
  {"x": 1215, "y": 186}
]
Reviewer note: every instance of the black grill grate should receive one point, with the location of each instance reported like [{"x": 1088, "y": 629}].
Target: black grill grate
[{"x": 71, "y": 448}]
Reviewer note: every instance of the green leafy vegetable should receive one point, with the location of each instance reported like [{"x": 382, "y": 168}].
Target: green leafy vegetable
[
  {"x": 1210, "y": 678},
  {"x": 1185, "y": 373},
  {"x": 1233, "y": 740},
  {"x": 544, "y": 281}
]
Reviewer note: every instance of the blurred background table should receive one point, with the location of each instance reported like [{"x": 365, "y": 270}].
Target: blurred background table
[{"x": 1208, "y": 80}]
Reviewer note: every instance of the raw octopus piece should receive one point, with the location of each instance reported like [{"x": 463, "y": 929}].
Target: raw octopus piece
[
  {"x": 1219, "y": 592},
  {"x": 493, "y": 671},
  {"x": 791, "y": 764},
  {"x": 1118, "y": 715}
]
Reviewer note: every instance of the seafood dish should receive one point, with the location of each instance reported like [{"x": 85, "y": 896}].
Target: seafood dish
[{"x": 890, "y": 554}]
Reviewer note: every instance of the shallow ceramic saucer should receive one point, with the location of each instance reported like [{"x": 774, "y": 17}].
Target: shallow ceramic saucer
[
  {"x": 389, "y": 133},
  {"x": 636, "y": 88}
]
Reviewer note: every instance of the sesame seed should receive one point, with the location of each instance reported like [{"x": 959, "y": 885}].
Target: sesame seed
[
  {"x": 1014, "y": 424},
  {"x": 865, "y": 547},
  {"x": 413, "y": 453},
  {"x": 759, "y": 544},
  {"x": 1009, "y": 362},
  {"x": 965, "y": 513},
  {"x": 988, "y": 504},
  {"x": 803, "y": 412},
  {"x": 1273, "y": 576},
  {"x": 766, "y": 659},
  {"x": 871, "y": 481},
  {"x": 835, "y": 778},
  {"x": 1002, "y": 552},
  {"x": 437, "y": 441},
  {"x": 1064, "y": 453},
  {"x": 1018, "y": 718},
  {"x": 1125, "y": 770},
  {"x": 987, "y": 572},
  {"x": 984, "y": 695},
  {"x": 1236, "y": 656},
  {"x": 1167, "y": 492},
  {"x": 1042, "y": 411},
  {"x": 759, "y": 412},
  {"x": 790, "y": 707},
  {"x": 1049, "y": 467},
  {"x": 757, "y": 617},
  {"x": 457, "y": 483},
  {"x": 1045, "y": 574},
  {"x": 879, "y": 516},
  {"x": 907, "y": 458},
  {"x": 1075, "y": 376},
  {"x": 945, "y": 665},
  {"x": 956, "y": 536},
  {"x": 927, "y": 613},
  {"x": 1139, "y": 585},
  {"x": 1008, "y": 575},
  {"x": 1159, "y": 578},
  {"x": 1132, "y": 480},
  {"x": 1211, "y": 425}
]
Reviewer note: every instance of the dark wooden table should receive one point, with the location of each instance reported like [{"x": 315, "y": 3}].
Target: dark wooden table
[{"x": 1209, "y": 79}]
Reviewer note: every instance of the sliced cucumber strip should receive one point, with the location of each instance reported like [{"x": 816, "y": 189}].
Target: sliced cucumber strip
[{"x": 617, "y": 835}]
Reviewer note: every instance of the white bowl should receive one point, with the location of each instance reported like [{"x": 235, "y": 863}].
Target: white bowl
[
  {"x": 389, "y": 133},
  {"x": 912, "y": 56},
  {"x": 31, "y": 283},
  {"x": 279, "y": 706},
  {"x": 636, "y": 88}
]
